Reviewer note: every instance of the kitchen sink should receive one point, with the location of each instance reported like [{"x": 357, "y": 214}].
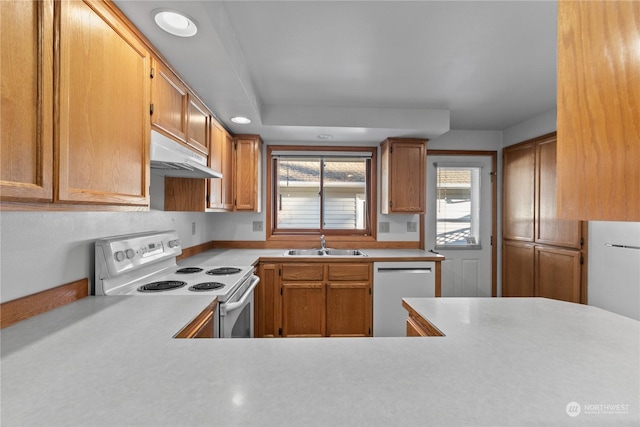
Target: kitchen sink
[
  {"x": 324, "y": 252},
  {"x": 347, "y": 252},
  {"x": 304, "y": 252}
]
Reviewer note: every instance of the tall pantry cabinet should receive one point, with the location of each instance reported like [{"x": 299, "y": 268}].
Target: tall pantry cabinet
[{"x": 542, "y": 255}]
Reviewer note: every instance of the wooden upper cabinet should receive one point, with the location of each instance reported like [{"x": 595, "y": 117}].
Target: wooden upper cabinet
[
  {"x": 221, "y": 159},
  {"x": 26, "y": 128},
  {"x": 598, "y": 110},
  {"x": 403, "y": 175},
  {"x": 518, "y": 186},
  {"x": 549, "y": 229},
  {"x": 170, "y": 102},
  {"x": 103, "y": 133},
  {"x": 198, "y": 126},
  {"x": 247, "y": 173}
]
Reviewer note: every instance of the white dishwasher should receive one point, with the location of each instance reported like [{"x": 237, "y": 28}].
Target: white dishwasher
[{"x": 393, "y": 281}]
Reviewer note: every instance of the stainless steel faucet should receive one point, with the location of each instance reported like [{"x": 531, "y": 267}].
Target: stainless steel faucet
[{"x": 322, "y": 243}]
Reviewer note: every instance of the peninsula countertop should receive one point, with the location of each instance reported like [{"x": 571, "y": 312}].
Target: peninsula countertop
[{"x": 107, "y": 361}]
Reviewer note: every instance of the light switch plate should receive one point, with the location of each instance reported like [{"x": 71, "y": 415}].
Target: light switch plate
[
  {"x": 383, "y": 227},
  {"x": 257, "y": 225},
  {"x": 412, "y": 226}
]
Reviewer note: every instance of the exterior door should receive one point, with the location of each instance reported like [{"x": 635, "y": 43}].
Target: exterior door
[{"x": 459, "y": 222}]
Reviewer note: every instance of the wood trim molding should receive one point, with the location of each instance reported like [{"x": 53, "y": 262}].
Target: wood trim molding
[
  {"x": 195, "y": 250},
  {"x": 38, "y": 303}
]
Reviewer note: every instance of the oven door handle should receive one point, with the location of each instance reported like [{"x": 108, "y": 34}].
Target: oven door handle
[{"x": 235, "y": 305}]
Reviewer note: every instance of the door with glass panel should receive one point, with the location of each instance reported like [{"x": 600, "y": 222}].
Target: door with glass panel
[{"x": 459, "y": 222}]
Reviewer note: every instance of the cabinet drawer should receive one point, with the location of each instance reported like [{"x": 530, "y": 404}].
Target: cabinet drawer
[
  {"x": 313, "y": 272},
  {"x": 349, "y": 272}
]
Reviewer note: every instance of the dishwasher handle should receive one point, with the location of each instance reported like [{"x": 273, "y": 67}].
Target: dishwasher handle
[{"x": 419, "y": 270}]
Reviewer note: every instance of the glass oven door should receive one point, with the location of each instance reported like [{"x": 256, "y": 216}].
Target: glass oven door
[{"x": 236, "y": 318}]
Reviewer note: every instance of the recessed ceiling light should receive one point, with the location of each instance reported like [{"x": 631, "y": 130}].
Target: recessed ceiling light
[
  {"x": 325, "y": 136},
  {"x": 176, "y": 23},
  {"x": 241, "y": 120}
]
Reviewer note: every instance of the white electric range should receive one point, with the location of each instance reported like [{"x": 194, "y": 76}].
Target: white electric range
[{"x": 144, "y": 264}]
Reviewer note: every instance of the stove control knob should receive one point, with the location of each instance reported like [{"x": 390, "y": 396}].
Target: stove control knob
[
  {"x": 174, "y": 243},
  {"x": 119, "y": 256},
  {"x": 130, "y": 253}
]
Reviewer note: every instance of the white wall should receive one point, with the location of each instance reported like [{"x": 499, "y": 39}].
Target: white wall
[
  {"x": 531, "y": 128},
  {"x": 41, "y": 250},
  {"x": 239, "y": 226}
]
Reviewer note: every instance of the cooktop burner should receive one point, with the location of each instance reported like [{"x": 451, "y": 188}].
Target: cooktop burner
[
  {"x": 224, "y": 271},
  {"x": 189, "y": 270},
  {"x": 166, "y": 285},
  {"x": 206, "y": 286}
]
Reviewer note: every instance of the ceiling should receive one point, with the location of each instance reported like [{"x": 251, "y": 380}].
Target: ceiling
[{"x": 363, "y": 70}]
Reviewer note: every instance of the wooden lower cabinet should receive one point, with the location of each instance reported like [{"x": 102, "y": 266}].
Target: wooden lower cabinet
[
  {"x": 203, "y": 325},
  {"x": 349, "y": 307},
  {"x": 517, "y": 269},
  {"x": 304, "y": 309},
  {"x": 314, "y": 300},
  {"x": 418, "y": 326},
  {"x": 530, "y": 270},
  {"x": 557, "y": 274}
]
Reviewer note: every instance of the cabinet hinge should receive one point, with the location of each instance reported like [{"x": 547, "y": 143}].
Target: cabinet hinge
[
  {"x": 207, "y": 198},
  {"x": 390, "y": 204},
  {"x": 391, "y": 150},
  {"x": 581, "y": 260},
  {"x": 279, "y": 272},
  {"x": 152, "y": 73},
  {"x": 280, "y": 291},
  {"x": 582, "y": 241},
  {"x": 235, "y": 145},
  {"x": 280, "y": 331},
  {"x": 151, "y": 109},
  {"x": 369, "y": 291},
  {"x": 491, "y": 240},
  {"x": 369, "y": 331},
  {"x": 235, "y": 202}
]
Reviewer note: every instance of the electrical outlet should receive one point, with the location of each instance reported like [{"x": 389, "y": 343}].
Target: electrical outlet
[
  {"x": 257, "y": 225},
  {"x": 412, "y": 226},
  {"x": 193, "y": 228},
  {"x": 383, "y": 227}
]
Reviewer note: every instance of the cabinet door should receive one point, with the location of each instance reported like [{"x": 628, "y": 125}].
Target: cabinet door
[
  {"x": 405, "y": 182},
  {"x": 26, "y": 128},
  {"x": 227, "y": 171},
  {"x": 598, "y": 109},
  {"x": 184, "y": 194},
  {"x": 550, "y": 229},
  {"x": 221, "y": 159},
  {"x": 247, "y": 173},
  {"x": 103, "y": 133},
  {"x": 349, "y": 309},
  {"x": 198, "y": 126},
  {"x": 517, "y": 269},
  {"x": 170, "y": 100},
  {"x": 216, "y": 142},
  {"x": 268, "y": 303},
  {"x": 518, "y": 192},
  {"x": 557, "y": 274},
  {"x": 303, "y": 309}
]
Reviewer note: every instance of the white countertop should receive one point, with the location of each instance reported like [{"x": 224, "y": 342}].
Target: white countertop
[
  {"x": 107, "y": 361},
  {"x": 251, "y": 256}
]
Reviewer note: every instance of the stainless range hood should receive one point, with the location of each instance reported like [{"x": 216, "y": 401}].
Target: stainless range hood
[{"x": 168, "y": 158}]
